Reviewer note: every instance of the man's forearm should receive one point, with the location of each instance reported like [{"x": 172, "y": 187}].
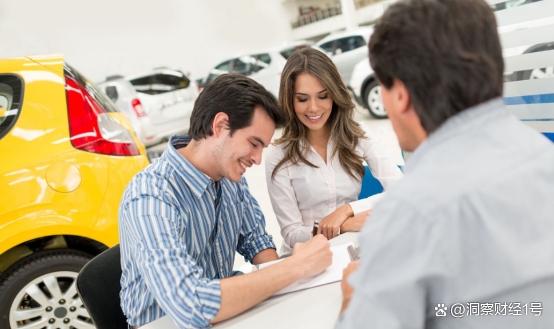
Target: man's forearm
[
  {"x": 265, "y": 256},
  {"x": 240, "y": 293}
]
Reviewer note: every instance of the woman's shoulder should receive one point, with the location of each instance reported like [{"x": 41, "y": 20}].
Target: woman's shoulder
[
  {"x": 367, "y": 144},
  {"x": 274, "y": 154},
  {"x": 275, "y": 151}
]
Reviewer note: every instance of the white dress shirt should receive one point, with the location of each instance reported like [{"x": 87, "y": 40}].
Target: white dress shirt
[{"x": 302, "y": 195}]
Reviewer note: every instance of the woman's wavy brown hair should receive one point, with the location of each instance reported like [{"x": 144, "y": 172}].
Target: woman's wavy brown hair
[{"x": 345, "y": 132}]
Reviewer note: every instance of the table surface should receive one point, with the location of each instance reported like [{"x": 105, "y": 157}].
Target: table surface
[{"x": 310, "y": 308}]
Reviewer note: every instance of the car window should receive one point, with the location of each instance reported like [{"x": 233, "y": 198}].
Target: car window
[
  {"x": 211, "y": 77},
  {"x": 10, "y": 102},
  {"x": 342, "y": 45},
  {"x": 350, "y": 43},
  {"x": 225, "y": 66},
  {"x": 511, "y": 4},
  {"x": 247, "y": 65},
  {"x": 241, "y": 65},
  {"x": 160, "y": 83},
  {"x": 263, "y": 58},
  {"x": 329, "y": 46}
]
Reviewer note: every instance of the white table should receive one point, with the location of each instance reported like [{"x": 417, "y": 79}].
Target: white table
[{"x": 311, "y": 308}]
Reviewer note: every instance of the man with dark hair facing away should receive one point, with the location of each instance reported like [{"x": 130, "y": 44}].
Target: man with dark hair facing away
[{"x": 465, "y": 239}]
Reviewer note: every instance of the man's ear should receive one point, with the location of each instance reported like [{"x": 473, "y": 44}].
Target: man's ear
[
  {"x": 220, "y": 124},
  {"x": 407, "y": 111},
  {"x": 401, "y": 97}
]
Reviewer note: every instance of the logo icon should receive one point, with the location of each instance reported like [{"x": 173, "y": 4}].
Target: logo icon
[{"x": 440, "y": 310}]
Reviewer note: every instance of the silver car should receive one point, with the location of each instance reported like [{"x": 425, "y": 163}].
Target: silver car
[
  {"x": 158, "y": 103},
  {"x": 265, "y": 67},
  {"x": 366, "y": 89},
  {"x": 346, "y": 49}
]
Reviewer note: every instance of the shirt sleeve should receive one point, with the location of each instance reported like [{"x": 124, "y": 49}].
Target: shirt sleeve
[
  {"x": 382, "y": 167},
  {"x": 396, "y": 268},
  {"x": 171, "y": 275},
  {"x": 253, "y": 237},
  {"x": 284, "y": 202}
]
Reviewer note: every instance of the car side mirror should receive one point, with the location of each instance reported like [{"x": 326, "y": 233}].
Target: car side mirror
[{"x": 111, "y": 92}]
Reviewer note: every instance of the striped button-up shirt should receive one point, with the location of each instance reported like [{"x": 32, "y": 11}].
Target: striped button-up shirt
[{"x": 179, "y": 231}]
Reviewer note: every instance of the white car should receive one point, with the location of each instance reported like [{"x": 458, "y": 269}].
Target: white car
[
  {"x": 346, "y": 49},
  {"x": 159, "y": 103},
  {"x": 265, "y": 67},
  {"x": 366, "y": 89}
]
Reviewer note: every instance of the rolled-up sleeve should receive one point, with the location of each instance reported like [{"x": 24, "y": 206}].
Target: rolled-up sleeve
[
  {"x": 284, "y": 201},
  {"x": 171, "y": 275},
  {"x": 253, "y": 236}
]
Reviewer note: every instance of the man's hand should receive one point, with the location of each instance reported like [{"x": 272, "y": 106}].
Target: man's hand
[
  {"x": 347, "y": 289},
  {"x": 312, "y": 257},
  {"x": 355, "y": 223},
  {"x": 330, "y": 225}
]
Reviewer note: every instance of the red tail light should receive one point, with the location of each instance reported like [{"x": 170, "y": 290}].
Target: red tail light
[
  {"x": 90, "y": 126},
  {"x": 137, "y": 108}
]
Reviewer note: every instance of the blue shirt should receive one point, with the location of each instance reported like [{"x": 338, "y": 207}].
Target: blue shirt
[
  {"x": 179, "y": 231},
  {"x": 465, "y": 239}
]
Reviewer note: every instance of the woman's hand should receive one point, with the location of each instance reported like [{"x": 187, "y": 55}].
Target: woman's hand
[
  {"x": 330, "y": 226},
  {"x": 355, "y": 223}
]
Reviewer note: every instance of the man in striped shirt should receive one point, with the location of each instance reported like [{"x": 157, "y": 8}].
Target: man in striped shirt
[{"x": 183, "y": 217}]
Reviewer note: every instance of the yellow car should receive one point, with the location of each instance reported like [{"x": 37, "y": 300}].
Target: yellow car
[{"x": 67, "y": 156}]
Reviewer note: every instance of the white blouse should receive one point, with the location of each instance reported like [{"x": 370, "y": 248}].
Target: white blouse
[{"x": 301, "y": 195}]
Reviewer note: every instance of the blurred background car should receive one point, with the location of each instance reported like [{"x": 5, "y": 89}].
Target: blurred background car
[
  {"x": 366, "y": 89},
  {"x": 346, "y": 49},
  {"x": 68, "y": 155},
  {"x": 264, "y": 67},
  {"x": 122, "y": 93},
  {"x": 541, "y": 72},
  {"x": 158, "y": 103}
]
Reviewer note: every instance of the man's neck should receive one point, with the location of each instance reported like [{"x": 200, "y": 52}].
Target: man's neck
[{"x": 200, "y": 158}]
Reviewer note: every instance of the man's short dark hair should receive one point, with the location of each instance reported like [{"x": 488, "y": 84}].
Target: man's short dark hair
[
  {"x": 446, "y": 52},
  {"x": 235, "y": 95}
]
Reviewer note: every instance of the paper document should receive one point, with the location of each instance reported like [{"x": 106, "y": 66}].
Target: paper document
[{"x": 333, "y": 273}]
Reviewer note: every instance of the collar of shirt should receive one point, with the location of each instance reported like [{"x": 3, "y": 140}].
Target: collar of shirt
[
  {"x": 305, "y": 145},
  {"x": 196, "y": 180},
  {"x": 454, "y": 126}
]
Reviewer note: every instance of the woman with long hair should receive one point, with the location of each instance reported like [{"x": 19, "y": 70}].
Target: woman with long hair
[{"x": 314, "y": 170}]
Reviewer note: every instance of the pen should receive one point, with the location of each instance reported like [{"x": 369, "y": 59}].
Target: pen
[{"x": 353, "y": 252}]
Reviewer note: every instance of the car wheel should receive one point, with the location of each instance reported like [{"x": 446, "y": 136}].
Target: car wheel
[
  {"x": 373, "y": 101},
  {"x": 40, "y": 292}
]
